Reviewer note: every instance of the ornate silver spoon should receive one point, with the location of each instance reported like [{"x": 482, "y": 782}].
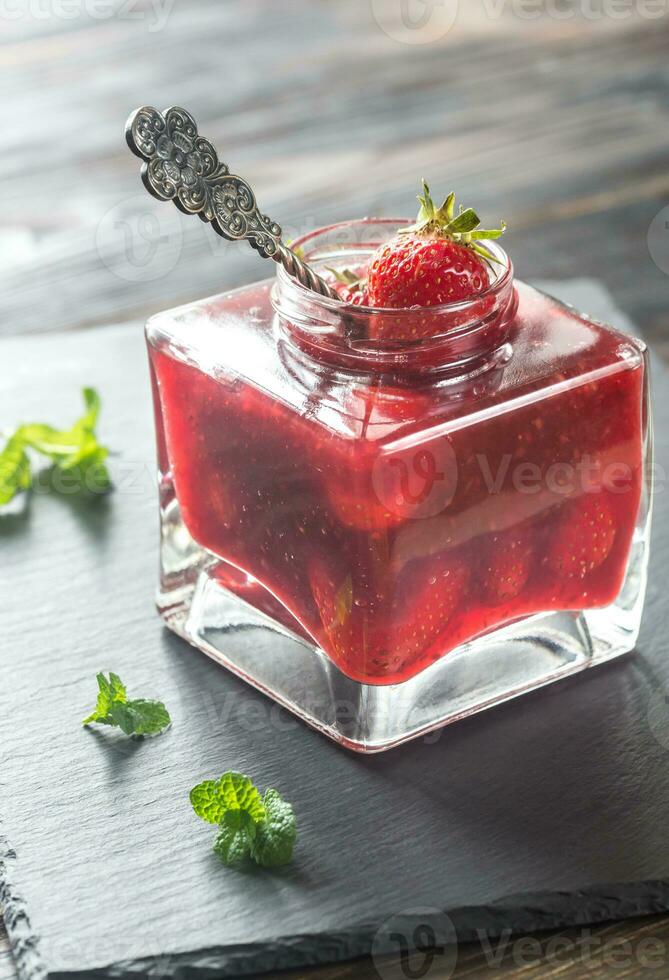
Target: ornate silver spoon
[{"x": 181, "y": 166}]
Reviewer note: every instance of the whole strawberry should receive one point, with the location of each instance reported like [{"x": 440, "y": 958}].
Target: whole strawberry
[
  {"x": 437, "y": 260},
  {"x": 507, "y": 566},
  {"x": 585, "y": 539}
]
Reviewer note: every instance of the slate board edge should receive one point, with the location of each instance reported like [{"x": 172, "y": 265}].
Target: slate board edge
[
  {"x": 516, "y": 914},
  {"x": 23, "y": 941}
]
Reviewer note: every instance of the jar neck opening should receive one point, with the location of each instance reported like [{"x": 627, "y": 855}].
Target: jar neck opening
[{"x": 455, "y": 338}]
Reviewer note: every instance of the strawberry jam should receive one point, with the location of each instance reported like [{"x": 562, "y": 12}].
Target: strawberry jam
[{"x": 389, "y": 502}]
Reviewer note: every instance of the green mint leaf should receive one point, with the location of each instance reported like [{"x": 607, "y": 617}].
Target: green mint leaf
[
  {"x": 75, "y": 450},
  {"x": 275, "y": 836},
  {"x": 234, "y": 841},
  {"x": 86, "y": 469},
  {"x": 137, "y": 717},
  {"x": 50, "y": 442},
  {"x": 213, "y": 798},
  {"x": 15, "y": 472},
  {"x": 117, "y": 687},
  {"x": 250, "y": 826},
  {"x": 92, "y": 403},
  {"x": 104, "y": 701},
  {"x": 232, "y": 848},
  {"x": 140, "y": 716},
  {"x": 120, "y": 715},
  {"x": 205, "y": 801}
]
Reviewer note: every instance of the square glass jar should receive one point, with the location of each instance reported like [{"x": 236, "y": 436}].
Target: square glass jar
[{"x": 386, "y": 536}]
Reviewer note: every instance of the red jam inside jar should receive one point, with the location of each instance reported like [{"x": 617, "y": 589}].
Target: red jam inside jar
[{"x": 391, "y": 502}]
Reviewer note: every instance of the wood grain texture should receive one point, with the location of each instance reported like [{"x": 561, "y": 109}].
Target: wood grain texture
[
  {"x": 560, "y": 125},
  {"x": 519, "y": 818}
]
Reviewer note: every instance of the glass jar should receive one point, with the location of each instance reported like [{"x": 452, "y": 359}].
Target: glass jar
[{"x": 386, "y": 536}]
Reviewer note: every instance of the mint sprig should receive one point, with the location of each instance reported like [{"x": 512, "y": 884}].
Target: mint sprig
[
  {"x": 15, "y": 472},
  {"x": 262, "y": 829},
  {"x": 462, "y": 228},
  {"x": 74, "y": 451},
  {"x": 137, "y": 717}
]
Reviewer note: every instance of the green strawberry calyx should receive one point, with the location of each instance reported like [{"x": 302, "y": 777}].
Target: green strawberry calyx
[
  {"x": 461, "y": 228},
  {"x": 348, "y": 278}
]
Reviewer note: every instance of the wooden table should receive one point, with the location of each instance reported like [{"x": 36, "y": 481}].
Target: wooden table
[{"x": 333, "y": 109}]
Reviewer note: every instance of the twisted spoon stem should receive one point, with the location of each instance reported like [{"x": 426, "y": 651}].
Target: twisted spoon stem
[
  {"x": 183, "y": 167},
  {"x": 298, "y": 268}
]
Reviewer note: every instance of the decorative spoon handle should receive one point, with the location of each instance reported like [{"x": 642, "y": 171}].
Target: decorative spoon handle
[{"x": 181, "y": 166}]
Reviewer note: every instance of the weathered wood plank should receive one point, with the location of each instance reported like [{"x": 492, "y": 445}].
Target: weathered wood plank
[{"x": 332, "y": 119}]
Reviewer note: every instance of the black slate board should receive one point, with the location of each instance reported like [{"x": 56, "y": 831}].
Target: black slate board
[{"x": 547, "y": 811}]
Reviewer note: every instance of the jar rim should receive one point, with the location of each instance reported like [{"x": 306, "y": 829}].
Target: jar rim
[
  {"x": 505, "y": 275},
  {"x": 463, "y": 335}
]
